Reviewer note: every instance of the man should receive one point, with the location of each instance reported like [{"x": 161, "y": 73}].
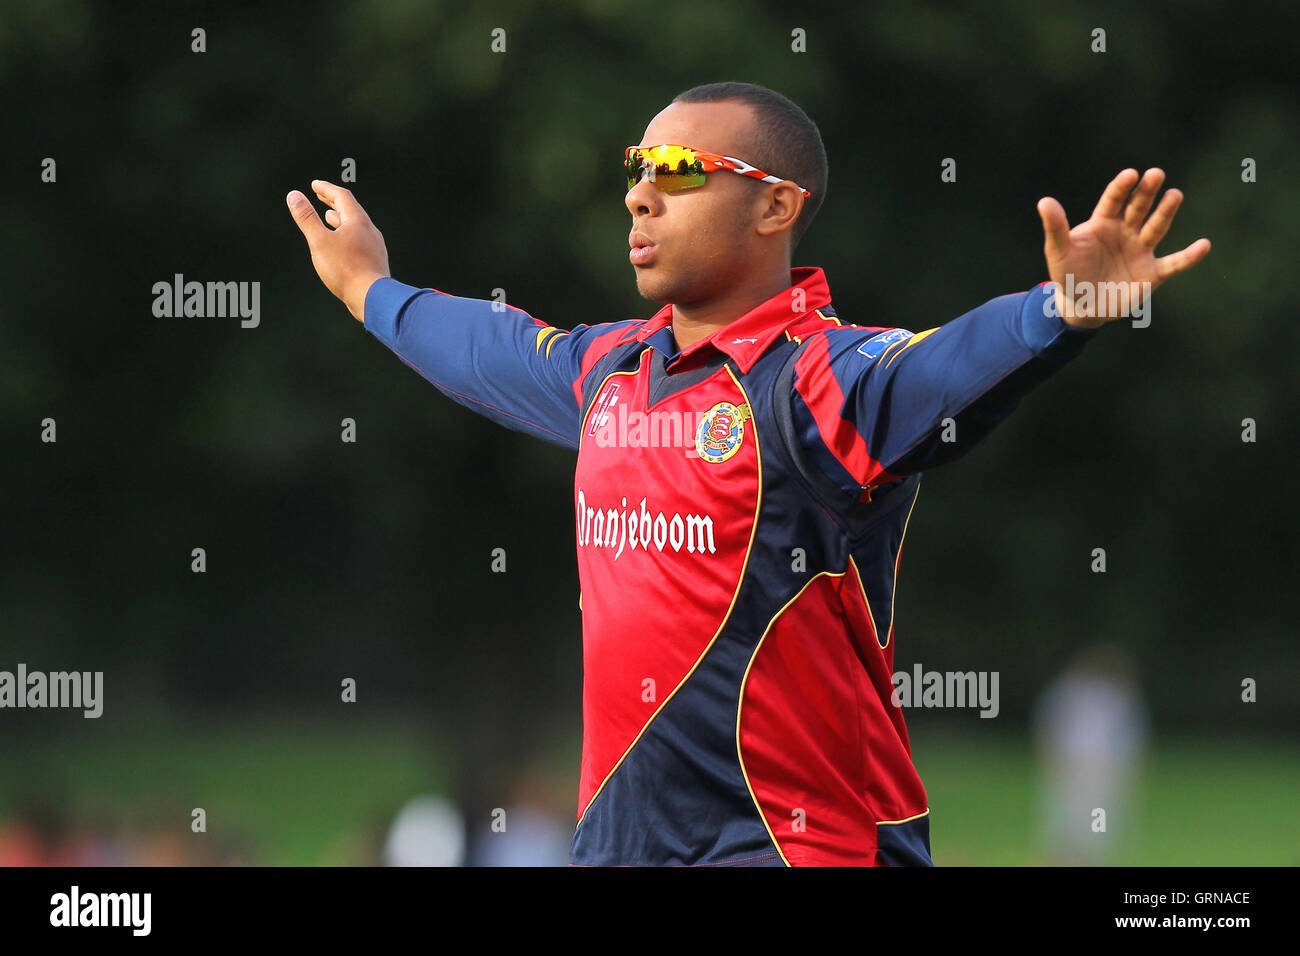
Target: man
[{"x": 746, "y": 466}]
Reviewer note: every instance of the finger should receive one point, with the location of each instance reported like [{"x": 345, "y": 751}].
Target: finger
[
  {"x": 1177, "y": 262},
  {"x": 1112, "y": 198},
  {"x": 304, "y": 214},
  {"x": 338, "y": 198},
  {"x": 1056, "y": 228},
  {"x": 1140, "y": 202},
  {"x": 332, "y": 219},
  {"x": 1161, "y": 219}
]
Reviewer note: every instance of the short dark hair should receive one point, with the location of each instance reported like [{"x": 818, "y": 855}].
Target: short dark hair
[{"x": 785, "y": 143}]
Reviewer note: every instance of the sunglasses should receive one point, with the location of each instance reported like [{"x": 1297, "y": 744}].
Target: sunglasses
[{"x": 673, "y": 168}]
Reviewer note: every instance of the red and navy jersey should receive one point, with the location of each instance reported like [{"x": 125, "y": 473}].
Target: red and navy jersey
[{"x": 739, "y": 512}]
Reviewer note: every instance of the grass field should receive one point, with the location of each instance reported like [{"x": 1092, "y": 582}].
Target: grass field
[
  {"x": 1199, "y": 803},
  {"x": 310, "y": 795}
]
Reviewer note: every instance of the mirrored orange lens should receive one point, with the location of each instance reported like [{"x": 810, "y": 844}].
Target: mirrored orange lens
[{"x": 670, "y": 168}]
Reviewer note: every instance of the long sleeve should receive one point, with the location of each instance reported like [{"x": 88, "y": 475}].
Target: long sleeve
[
  {"x": 870, "y": 405},
  {"x": 492, "y": 358}
]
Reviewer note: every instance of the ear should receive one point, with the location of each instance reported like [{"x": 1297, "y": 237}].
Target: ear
[{"x": 779, "y": 207}]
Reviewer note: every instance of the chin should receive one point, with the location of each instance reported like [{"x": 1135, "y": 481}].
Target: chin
[{"x": 656, "y": 288}]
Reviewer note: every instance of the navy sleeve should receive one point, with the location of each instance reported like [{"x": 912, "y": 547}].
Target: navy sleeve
[
  {"x": 872, "y": 406},
  {"x": 490, "y": 357}
]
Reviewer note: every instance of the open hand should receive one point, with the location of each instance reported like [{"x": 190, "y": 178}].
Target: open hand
[{"x": 1114, "y": 247}]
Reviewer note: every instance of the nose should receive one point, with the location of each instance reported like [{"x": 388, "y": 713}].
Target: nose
[{"x": 643, "y": 199}]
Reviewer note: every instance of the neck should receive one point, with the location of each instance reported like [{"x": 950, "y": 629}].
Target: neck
[{"x": 698, "y": 320}]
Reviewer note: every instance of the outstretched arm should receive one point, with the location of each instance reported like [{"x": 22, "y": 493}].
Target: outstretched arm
[
  {"x": 873, "y": 405},
  {"x": 492, "y": 358}
]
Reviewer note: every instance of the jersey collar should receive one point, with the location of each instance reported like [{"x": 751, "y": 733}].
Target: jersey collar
[{"x": 749, "y": 336}]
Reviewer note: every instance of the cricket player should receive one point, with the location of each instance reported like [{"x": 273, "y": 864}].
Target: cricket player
[{"x": 747, "y": 460}]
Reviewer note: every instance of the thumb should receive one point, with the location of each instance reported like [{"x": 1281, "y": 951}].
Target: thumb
[
  {"x": 304, "y": 214},
  {"x": 1056, "y": 228}
]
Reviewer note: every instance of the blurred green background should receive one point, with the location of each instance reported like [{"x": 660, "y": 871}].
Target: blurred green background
[{"x": 372, "y": 560}]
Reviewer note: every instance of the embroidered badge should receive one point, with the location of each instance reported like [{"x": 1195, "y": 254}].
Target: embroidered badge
[{"x": 721, "y": 431}]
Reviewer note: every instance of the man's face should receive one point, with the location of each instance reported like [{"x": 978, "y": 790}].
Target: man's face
[{"x": 704, "y": 240}]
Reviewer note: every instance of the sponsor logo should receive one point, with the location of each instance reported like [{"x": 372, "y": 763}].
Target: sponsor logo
[
  {"x": 638, "y": 527},
  {"x": 605, "y": 402},
  {"x": 873, "y": 346}
]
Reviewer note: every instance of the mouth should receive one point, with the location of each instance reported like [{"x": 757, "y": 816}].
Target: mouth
[{"x": 642, "y": 251}]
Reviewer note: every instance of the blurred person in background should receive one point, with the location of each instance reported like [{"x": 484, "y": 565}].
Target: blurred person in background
[
  {"x": 532, "y": 829},
  {"x": 428, "y": 831},
  {"x": 1092, "y": 727}
]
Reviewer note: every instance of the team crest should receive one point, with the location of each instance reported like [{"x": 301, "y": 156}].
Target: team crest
[{"x": 721, "y": 431}]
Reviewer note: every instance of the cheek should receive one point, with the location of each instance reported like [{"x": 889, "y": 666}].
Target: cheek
[
  {"x": 707, "y": 225},
  {"x": 729, "y": 219},
  {"x": 721, "y": 239}
]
